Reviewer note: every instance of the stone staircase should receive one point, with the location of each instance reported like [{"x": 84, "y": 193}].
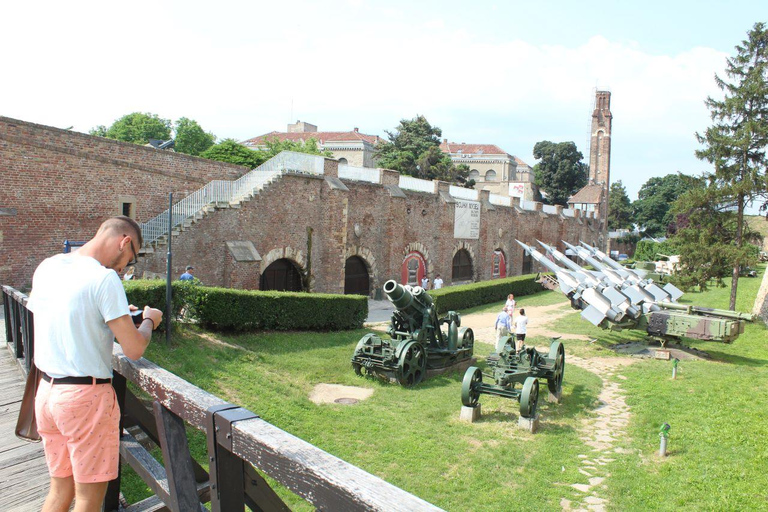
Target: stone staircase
[{"x": 222, "y": 194}]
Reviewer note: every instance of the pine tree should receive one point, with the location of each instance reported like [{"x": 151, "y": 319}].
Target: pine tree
[{"x": 736, "y": 142}]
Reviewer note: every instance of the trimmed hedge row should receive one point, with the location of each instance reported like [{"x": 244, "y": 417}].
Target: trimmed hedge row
[
  {"x": 245, "y": 310},
  {"x": 458, "y": 298}
]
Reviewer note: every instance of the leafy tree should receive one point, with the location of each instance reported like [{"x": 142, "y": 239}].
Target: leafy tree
[
  {"x": 735, "y": 143},
  {"x": 561, "y": 172},
  {"x": 619, "y": 207},
  {"x": 413, "y": 149},
  {"x": 191, "y": 138},
  {"x": 651, "y": 210},
  {"x": 137, "y": 128},
  {"x": 705, "y": 231},
  {"x": 231, "y": 151}
]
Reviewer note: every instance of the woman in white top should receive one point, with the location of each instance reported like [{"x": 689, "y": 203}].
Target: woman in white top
[
  {"x": 510, "y": 304},
  {"x": 521, "y": 327}
]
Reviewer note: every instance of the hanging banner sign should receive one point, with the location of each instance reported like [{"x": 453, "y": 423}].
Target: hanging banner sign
[{"x": 467, "y": 221}]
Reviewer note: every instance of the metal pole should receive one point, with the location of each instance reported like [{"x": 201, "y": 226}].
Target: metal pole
[{"x": 168, "y": 290}]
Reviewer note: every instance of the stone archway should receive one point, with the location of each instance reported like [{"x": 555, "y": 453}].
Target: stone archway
[
  {"x": 470, "y": 255},
  {"x": 295, "y": 257},
  {"x": 368, "y": 259}
]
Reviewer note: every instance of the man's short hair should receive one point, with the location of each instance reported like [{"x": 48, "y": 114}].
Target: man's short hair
[
  {"x": 120, "y": 225},
  {"x": 190, "y": 267}
]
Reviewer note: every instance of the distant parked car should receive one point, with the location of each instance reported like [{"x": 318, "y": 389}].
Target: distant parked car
[{"x": 623, "y": 257}]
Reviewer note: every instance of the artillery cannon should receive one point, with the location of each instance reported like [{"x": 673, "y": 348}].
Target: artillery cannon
[
  {"x": 417, "y": 343},
  {"x": 510, "y": 368},
  {"x": 616, "y": 298}
]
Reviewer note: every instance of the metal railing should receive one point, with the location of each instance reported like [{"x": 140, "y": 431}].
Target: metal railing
[{"x": 231, "y": 192}]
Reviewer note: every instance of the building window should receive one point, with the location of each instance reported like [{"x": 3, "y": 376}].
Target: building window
[
  {"x": 490, "y": 175},
  {"x": 126, "y": 205},
  {"x": 474, "y": 174},
  {"x": 527, "y": 263},
  {"x": 343, "y": 161}
]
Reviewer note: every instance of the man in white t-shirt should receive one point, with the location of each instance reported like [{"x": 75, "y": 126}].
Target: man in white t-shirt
[
  {"x": 80, "y": 307},
  {"x": 521, "y": 328},
  {"x": 438, "y": 282},
  {"x": 425, "y": 282}
]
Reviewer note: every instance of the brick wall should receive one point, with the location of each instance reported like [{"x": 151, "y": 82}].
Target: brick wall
[
  {"x": 63, "y": 184},
  {"x": 279, "y": 219}
]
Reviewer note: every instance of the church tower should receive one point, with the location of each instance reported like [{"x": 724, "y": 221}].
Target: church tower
[{"x": 600, "y": 144}]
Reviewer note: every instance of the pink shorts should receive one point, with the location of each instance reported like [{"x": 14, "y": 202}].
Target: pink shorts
[{"x": 79, "y": 424}]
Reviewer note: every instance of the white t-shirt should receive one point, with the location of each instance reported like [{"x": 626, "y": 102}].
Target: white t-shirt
[
  {"x": 438, "y": 283},
  {"x": 521, "y": 324},
  {"x": 425, "y": 283},
  {"x": 73, "y": 297},
  {"x": 510, "y": 304}
]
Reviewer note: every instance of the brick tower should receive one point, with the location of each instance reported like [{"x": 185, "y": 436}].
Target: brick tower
[{"x": 600, "y": 149}]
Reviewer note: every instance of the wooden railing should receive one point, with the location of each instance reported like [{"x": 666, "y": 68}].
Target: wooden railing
[{"x": 240, "y": 445}]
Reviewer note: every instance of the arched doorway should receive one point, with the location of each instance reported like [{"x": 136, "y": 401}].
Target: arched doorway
[
  {"x": 498, "y": 264},
  {"x": 527, "y": 263},
  {"x": 283, "y": 276},
  {"x": 462, "y": 266},
  {"x": 413, "y": 269},
  {"x": 356, "y": 278}
]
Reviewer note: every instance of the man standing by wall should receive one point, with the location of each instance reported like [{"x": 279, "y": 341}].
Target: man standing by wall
[{"x": 80, "y": 308}]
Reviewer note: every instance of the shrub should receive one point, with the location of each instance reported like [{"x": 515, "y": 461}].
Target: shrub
[
  {"x": 457, "y": 298},
  {"x": 648, "y": 250},
  {"x": 244, "y": 310}
]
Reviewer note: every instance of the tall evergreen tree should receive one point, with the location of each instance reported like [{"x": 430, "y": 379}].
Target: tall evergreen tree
[{"x": 736, "y": 142}]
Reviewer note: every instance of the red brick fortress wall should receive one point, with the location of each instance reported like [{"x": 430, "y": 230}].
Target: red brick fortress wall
[{"x": 63, "y": 184}]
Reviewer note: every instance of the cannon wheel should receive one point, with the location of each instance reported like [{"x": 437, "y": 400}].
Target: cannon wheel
[
  {"x": 473, "y": 378},
  {"x": 467, "y": 337},
  {"x": 412, "y": 365},
  {"x": 358, "y": 369},
  {"x": 529, "y": 398},
  {"x": 556, "y": 353}
]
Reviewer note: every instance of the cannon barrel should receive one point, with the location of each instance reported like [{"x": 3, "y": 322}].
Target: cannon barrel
[{"x": 406, "y": 300}]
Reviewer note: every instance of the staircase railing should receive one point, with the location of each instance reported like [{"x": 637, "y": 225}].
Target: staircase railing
[{"x": 231, "y": 192}]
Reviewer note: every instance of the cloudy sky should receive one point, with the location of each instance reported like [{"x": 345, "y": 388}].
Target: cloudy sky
[{"x": 507, "y": 73}]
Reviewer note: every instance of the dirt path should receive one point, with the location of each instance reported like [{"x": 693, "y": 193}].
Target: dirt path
[
  {"x": 539, "y": 320},
  {"x": 601, "y": 433}
]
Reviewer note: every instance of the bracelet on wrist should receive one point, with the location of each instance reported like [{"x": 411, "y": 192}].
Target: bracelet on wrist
[{"x": 153, "y": 322}]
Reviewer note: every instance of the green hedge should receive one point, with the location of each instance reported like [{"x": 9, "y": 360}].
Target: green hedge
[
  {"x": 648, "y": 250},
  {"x": 458, "y": 298},
  {"x": 243, "y": 310}
]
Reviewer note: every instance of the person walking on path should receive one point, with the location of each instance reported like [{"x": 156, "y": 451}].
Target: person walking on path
[
  {"x": 80, "y": 308},
  {"x": 438, "y": 282},
  {"x": 510, "y": 304},
  {"x": 521, "y": 327},
  {"x": 503, "y": 326},
  {"x": 425, "y": 282}
]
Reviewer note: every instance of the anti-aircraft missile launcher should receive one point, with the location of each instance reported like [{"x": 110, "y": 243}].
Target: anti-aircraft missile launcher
[
  {"x": 417, "y": 343},
  {"x": 612, "y": 297}
]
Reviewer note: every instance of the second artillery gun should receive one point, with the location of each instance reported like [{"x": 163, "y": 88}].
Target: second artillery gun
[
  {"x": 510, "y": 368},
  {"x": 612, "y": 297},
  {"x": 417, "y": 342}
]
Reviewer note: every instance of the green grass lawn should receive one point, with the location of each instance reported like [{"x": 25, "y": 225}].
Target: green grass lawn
[{"x": 413, "y": 439}]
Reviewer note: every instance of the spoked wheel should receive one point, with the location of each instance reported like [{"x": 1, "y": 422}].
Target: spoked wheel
[
  {"x": 412, "y": 365},
  {"x": 529, "y": 398},
  {"x": 470, "y": 386},
  {"x": 557, "y": 353},
  {"x": 467, "y": 337}
]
